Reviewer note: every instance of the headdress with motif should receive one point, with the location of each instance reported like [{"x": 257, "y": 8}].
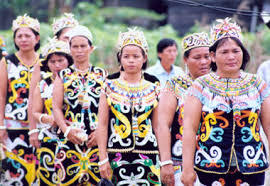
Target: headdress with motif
[
  {"x": 66, "y": 21},
  {"x": 80, "y": 30},
  {"x": 132, "y": 37},
  {"x": 195, "y": 40},
  {"x": 3, "y": 46},
  {"x": 25, "y": 21},
  {"x": 54, "y": 45},
  {"x": 225, "y": 28}
]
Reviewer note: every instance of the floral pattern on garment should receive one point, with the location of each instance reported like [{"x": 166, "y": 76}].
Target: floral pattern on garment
[
  {"x": 78, "y": 164},
  {"x": 132, "y": 144},
  {"x": 229, "y": 123},
  {"x": 178, "y": 86}
]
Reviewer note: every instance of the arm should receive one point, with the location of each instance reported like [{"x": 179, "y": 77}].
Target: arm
[
  {"x": 3, "y": 95},
  {"x": 265, "y": 118},
  {"x": 102, "y": 136},
  {"x": 38, "y": 108},
  {"x": 58, "y": 97},
  {"x": 192, "y": 114},
  {"x": 33, "y": 138},
  {"x": 162, "y": 121}
]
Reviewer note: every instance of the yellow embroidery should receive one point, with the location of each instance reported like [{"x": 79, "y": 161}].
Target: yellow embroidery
[
  {"x": 123, "y": 130},
  {"x": 208, "y": 120}
]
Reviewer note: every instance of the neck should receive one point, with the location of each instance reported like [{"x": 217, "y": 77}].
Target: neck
[
  {"x": 27, "y": 56},
  {"x": 82, "y": 66},
  {"x": 232, "y": 75},
  {"x": 132, "y": 78},
  {"x": 167, "y": 67}
]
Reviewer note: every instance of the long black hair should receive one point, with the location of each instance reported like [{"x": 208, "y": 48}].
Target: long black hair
[{"x": 45, "y": 66}]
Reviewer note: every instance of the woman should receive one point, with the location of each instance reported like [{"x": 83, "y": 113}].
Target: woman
[
  {"x": 56, "y": 58},
  {"x": 170, "y": 108},
  {"x": 60, "y": 27},
  {"x": 16, "y": 70},
  {"x": 126, "y": 140},
  {"x": 3, "y": 51},
  {"x": 77, "y": 90},
  {"x": 228, "y": 103}
]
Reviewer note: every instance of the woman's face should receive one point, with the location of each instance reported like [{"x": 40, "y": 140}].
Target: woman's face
[
  {"x": 25, "y": 39},
  {"x": 228, "y": 58},
  {"x": 56, "y": 63},
  {"x": 132, "y": 59},
  {"x": 198, "y": 61},
  {"x": 80, "y": 49},
  {"x": 63, "y": 36}
]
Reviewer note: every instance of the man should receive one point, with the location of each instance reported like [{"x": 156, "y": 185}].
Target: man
[{"x": 165, "y": 69}]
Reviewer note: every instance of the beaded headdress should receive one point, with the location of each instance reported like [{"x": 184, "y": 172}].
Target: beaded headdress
[
  {"x": 80, "y": 30},
  {"x": 225, "y": 28},
  {"x": 3, "y": 46},
  {"x": 132, "y": 37},
  {"x": 55, "y": 45},
  {"x": 25, "y": 21},
  {"x": 195, "y": 40},
  {"x": 66, "y": 21}
]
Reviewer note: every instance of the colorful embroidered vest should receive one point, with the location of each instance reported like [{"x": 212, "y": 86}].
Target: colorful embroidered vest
[
  {"x": 130, "y": 116},
  {"x": 19, "y": 76},
  {"x": 229, "y": 123},
  {"x": 46, "y": 90},
  {"x": 178, "y": 86},
  {"x": 81, "y": 96}
]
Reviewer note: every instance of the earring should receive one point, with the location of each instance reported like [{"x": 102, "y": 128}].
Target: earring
[{"x": 186, "y": 69}]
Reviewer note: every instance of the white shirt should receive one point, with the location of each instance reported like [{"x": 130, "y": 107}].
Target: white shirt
[
  {"x": 158, "y": 71},
  {"x": 264, "y": 72}
]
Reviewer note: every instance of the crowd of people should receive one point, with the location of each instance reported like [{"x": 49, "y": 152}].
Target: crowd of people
[{"x": 64, "y": 121}]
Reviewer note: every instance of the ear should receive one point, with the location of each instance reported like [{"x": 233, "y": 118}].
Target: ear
[
  {"x": 185, "y": 60},
  {"x": 145, "y": 58},
  {"x": 37, "y": 38},
  {"x": 159, "y": 55},
  {"x": 92, "y": 48},
  {"x": 213, "y": 57}
]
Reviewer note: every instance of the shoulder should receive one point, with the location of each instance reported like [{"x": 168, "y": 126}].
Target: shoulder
[
  {"x": 99, "y": 72},
  {"x": 151, "y": 78},
  {"x": 12, "y": 59},
  {"x": 182, "y": 80}
]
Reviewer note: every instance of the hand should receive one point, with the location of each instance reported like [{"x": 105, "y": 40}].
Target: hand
[
  {"x": 188, "y": 177},
  {"x": 50, "y": 120},
  {"x": 3, "y": 135},
  {"x": 92, "y": 140},
  {"x": 106, "y": 171},
  {"x": 73, "y": 137},
  {"x": 33, "y": 138},
  {"x": 167, "y": 175}
]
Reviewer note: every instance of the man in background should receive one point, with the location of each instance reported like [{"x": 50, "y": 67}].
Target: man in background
[{"x": 164, "y": 69}]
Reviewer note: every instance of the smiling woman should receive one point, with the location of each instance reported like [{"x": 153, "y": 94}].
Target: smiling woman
[{"x": 228, "y": 103}]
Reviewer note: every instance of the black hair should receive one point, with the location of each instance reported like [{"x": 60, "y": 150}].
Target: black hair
[
  {"x": 1, "y": 54},
  {"x": 217, "y": 44},
  {"x": 45, "y": 66},
  {"x": 89, "y": 42},
  {"x": 37, "y": 46},
  {"x": 164, "y": 43},
  {"x": 186, "y": 53},
  {"x": 58, "y": 34},
  {"x": 118, "y": 55}
]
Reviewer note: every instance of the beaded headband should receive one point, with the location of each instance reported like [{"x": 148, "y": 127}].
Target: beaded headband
[
  {"x": 66, "y": 21},
  {"x": 195, "y": 40},
  {"x": 225, "y": 28},
  {"x": 132, "y": 37},
  {"x": 25, "y": 21},
  {"x": 80, "y": 30},
  {"x": 54, "y": 45}
]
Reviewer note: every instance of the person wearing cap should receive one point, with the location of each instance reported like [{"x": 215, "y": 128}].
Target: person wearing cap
[
  {"x": 60, "y": 27},
  {"x": 228, "y": 103},
  {"x": 16, "y": 71},
  {"x": 56, "y": 58},
  {"x": 75, "y": 105},
  {"x": 164, "y": 69},
  {"x": 127, "y": 143},
  {"x": 170, "y": 109}
]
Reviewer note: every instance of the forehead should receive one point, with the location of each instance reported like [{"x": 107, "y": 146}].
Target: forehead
[
  {"x": 79, "y": 40},
  {"x": 24, "y": 30},
  {"x": 131, "y": 49},
  {"x": 199, "y": 50},
  {"x": 56, "y": 56},
  {"x": 227, "y": 44},
  {"x": 172, "y": 47}
]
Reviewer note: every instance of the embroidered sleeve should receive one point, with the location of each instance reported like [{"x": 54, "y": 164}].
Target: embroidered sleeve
[
  {"x": 263, "y": 89},
  {"x": 196, "y": 90}
]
